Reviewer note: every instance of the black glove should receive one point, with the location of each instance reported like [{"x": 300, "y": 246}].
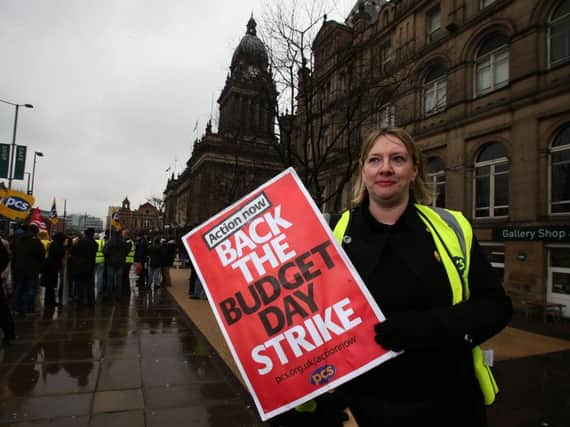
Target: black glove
[
  {"x": 330, "y": 412},
  {"x": 408, "y": 331}
]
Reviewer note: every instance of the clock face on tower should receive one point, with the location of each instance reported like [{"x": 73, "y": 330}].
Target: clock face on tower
[{"x": 252, "y": 71}]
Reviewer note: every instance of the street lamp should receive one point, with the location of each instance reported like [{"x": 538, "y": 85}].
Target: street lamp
[
  {"x": 28, "y": 184},
  {"x": 13, "y": 152},
  {"x": 36, "y": 154}
]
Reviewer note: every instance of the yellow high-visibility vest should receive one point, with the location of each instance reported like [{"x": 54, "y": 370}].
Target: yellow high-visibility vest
[
  {"x": 46, "y": 244},
  {"x": 453, "y": 236},
  {"x": 130, "y": 258},
  {"x": 100, "y": 258}
]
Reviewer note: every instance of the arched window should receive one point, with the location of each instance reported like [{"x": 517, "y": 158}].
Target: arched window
[
  {"x": 492, "y": 64},
  {"x": 435, "y": 90},
  {"x": 436, "y": 180},
  {"x": 560, "y": 172},
  {"x": 492, "y": 182},
  {"x": 385, "y": 113},
  {"x": 559, "y": 34}
]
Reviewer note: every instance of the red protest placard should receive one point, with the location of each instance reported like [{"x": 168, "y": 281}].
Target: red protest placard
[{"x": 295, "y": 314}]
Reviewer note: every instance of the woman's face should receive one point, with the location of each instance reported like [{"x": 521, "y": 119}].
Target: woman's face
[{"x": 388, "y": 171}]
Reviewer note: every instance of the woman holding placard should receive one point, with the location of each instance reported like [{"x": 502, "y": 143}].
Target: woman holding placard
[{"x": 436, "y": 288}]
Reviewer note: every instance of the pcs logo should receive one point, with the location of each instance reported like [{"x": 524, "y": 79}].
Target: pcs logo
[
  {"x": 323, "y": 375},
  {"x": 16, "y": 204}
]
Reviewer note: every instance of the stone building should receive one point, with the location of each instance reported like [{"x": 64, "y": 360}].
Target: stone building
[
  {"x": 227, "y": 164},
  {"x": 484, "y": 87},
  {"x": 81, "y": 222},
  {"x": 145, "y": 219}
]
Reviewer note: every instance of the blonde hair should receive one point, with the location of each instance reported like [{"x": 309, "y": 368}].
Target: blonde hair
[{"x": 419, "y": 189}]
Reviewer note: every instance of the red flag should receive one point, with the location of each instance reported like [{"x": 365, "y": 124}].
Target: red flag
[{"x": 37, "y": 220}]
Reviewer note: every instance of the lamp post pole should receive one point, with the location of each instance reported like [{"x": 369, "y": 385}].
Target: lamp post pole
[
  {"x": 28, "y": 184},
  {"x": 36, "y": 154},
  {"x": 13, "y": 150}
]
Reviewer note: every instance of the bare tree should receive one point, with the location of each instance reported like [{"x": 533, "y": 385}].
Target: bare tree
[
  {"x": 329, "y": 81},
  {"x": 158, "y": 203}
]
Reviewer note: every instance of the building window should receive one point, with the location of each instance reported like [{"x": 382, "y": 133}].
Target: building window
[
  {"x": 386, "y": 18},
  {"x": 436, "y": 180},
  {"x": 387, "y": 58},
  {"x": 496, "y": 256},
  {"x": 485, "y": 3},
  {"x": 492, "y": 64},
  {"x": 435, "y": 90},
  {"x": 492, "y": 182},
  {"x": 559, "y": 34},
  {"x": 560, "y": 172},
  {"x": 386, "y": 115},
  {"x": 559, "y": 270},
  {"x": 433, "y": 24}
]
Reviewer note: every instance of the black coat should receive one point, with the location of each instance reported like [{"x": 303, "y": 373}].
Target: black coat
[
  {"x": 54, "y": 258},
  {"x": 170, "y": 253},
  {"x": 156, "y": 256},
  {"x": 141, "y": 250},
  {"x": 29, "y": 254},
  {"x": 115, "y": 251},
  {"x": 399, "y": 266},
  {"x": 4, "y": 258}
]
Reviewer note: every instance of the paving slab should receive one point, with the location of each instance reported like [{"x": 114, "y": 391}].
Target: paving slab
[
  {"x": 532, "y": 363},
  {"x": 138, "y": 362}
]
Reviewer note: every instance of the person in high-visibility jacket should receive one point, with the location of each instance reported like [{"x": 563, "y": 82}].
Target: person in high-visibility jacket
[
  {"x": 437, "y": 290},
  {"x": 100, "y": 266},
  {"x": 43, "y": 235},
  {"x": 129, "y": 260}
]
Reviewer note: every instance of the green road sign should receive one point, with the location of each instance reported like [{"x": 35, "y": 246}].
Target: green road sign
[
  {"x": 20, "y": 162},
  {"x": 4, "y": 160}
]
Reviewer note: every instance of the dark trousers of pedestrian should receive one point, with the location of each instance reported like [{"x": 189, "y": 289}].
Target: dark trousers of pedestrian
[
  {"x": 165, "y": 273},
  {"x": 6, "y": 320},
  {"x": 85, "y": 288},
  {"x": 70, "y": 282},
  {"x": 198, "y": 289},
  {"x": 99, "y": 276},
  {"x": 60, "y": 285},
  {"x": 26, "y": 286},
  {"x": 126, "y": 287},
  {"x": 191, "y": 283},
  {"x": 154, "y": 280},
  {"x": 114, "y": 280},
  {"x": 143, "y": 276},
  {"x": 50, "y": 280}
]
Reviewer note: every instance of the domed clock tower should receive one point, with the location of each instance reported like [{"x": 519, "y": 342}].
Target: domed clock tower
[
  {"x": 227, "y": 164},
  {"x": 247, "y": 101}
]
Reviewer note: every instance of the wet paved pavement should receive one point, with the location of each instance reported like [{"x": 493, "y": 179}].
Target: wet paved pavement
[
  {"x": 535, "y": 390},
  {"x": 139, "y": 362}
]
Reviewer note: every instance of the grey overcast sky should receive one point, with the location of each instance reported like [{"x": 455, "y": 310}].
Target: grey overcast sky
[{"x": 117, "y": 88}]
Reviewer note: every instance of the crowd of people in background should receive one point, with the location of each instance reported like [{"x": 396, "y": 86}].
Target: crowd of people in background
[{"x": 78, "y": 269}]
